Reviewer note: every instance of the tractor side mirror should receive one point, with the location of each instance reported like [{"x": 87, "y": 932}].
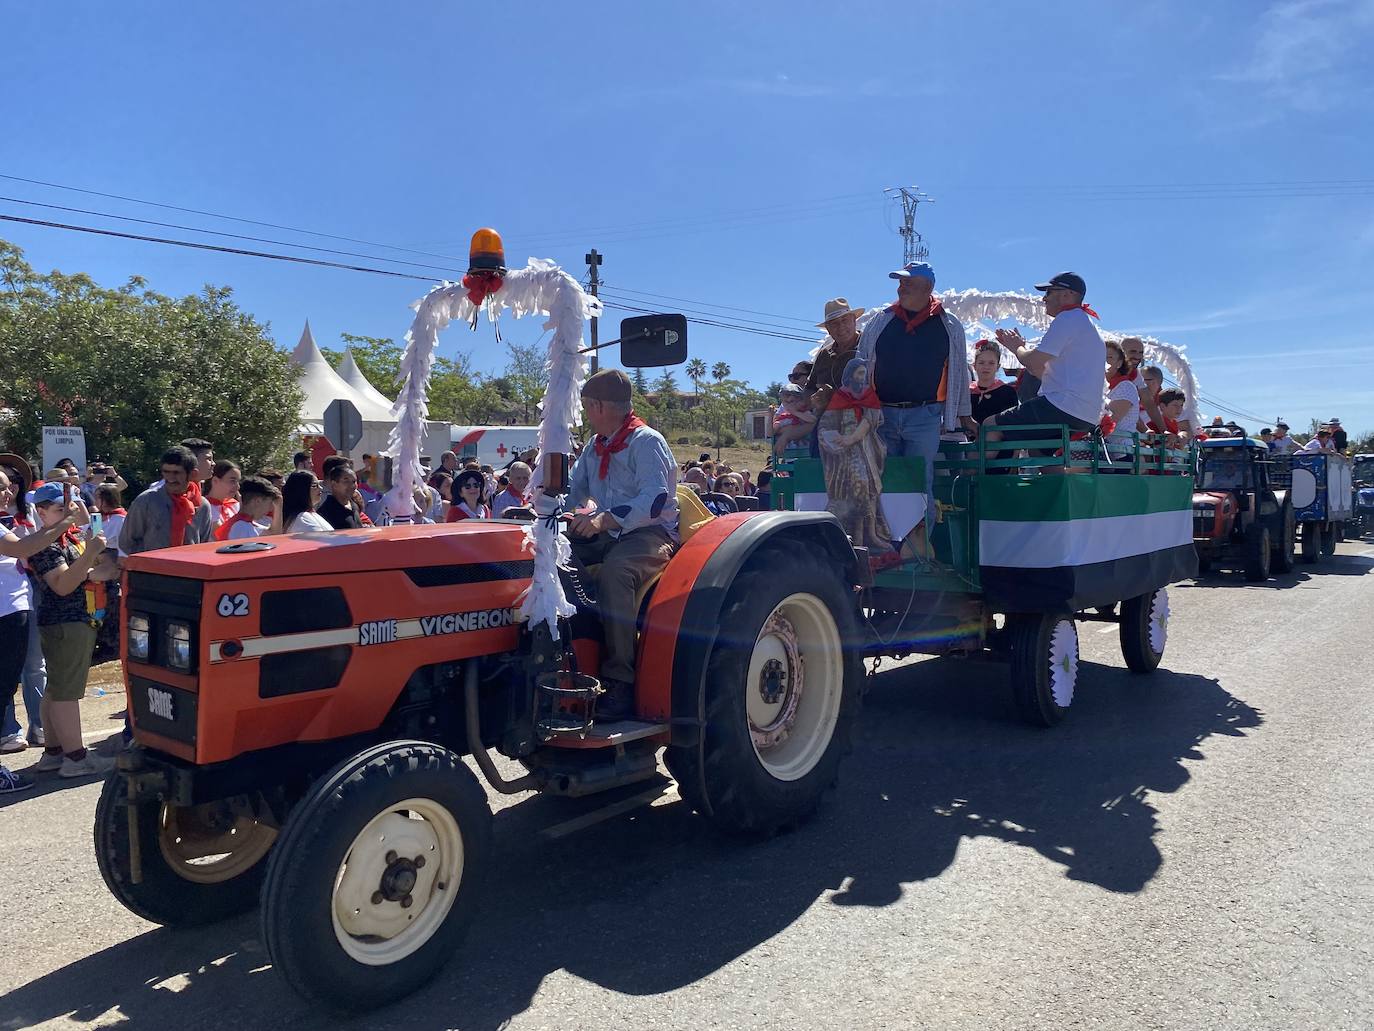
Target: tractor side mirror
[{"x": 652, "y": 341}]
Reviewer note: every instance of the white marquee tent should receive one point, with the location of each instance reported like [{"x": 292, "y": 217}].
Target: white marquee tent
[{"x": 322, "y": 385}]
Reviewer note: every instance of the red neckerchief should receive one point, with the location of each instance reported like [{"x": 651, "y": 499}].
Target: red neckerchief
[
  {"x": 842, "y": 399},
  {"x": 1171, "y": 425},
  {"x": 1074, "y": 307},
  {"x": 913, "y": 320},
  {"x": 617, "y": 444},
  {"x": 116, "y": 512},
  {"x": 222, "y": 504},
  {"x": 1112, "y": 381},
  {"x": 184, "y": 508},
  {"x": 976, "y": 390},
  {"x": 222, "y": 531},
  {"x": 71, "y": 537}
]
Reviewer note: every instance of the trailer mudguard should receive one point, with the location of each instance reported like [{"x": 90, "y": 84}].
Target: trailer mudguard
[{"x": 683, "y": 618}]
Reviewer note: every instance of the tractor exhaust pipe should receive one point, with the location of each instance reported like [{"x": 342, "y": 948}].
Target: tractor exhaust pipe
[{"x": 529, "y": 782}]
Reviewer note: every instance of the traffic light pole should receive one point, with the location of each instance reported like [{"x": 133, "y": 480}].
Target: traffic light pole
[{"x": 594, "y": 282}]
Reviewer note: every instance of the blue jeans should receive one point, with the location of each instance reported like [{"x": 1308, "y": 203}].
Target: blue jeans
[
  {"x": 34, "y": 681},
  {"x": 914, "y": 433}
]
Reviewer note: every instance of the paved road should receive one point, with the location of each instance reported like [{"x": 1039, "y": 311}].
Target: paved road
[{"x": 1189, "y": 850}]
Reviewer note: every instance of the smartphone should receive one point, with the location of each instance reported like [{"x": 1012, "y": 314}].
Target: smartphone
[{"x": 95, "y": 527}]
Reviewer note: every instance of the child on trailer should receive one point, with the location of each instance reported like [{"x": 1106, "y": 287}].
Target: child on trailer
[
  {"x": 793, "y": 423},
  {"x": 259, "y": 512}
]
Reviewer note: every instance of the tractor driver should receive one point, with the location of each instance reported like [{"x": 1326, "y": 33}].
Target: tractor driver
[{"x": 628, "y": 470}]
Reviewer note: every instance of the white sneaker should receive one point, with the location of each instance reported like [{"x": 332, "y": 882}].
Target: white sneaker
[
  {"x": 48, "y": 763},
  {"x": 13, "y": 743},
  {"x": 92, "y": 765},
  {"x": 37, "y": 738}
]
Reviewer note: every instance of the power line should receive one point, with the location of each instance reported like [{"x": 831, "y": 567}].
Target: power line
[
  {"x": 220, "y": 232},
  {"x": 231, "y": 218},
  {"x": 705, "y": 304},
  {"x": 212, "y": 247}
]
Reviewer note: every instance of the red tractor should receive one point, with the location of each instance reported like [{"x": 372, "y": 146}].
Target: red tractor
[{"x": 301, "y": 706}]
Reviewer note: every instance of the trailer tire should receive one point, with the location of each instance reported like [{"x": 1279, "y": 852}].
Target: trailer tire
[
  {"x": 1311, "y": 543},
  {"x": 1044, "y": 666},
  {"x": 783, "y": 686},
  {"x": 1257, "y": 553},
  {"x": 336, "y": 918},
  {"x": 1329, "y": 538},
  {"x": 174, "y": 890},
  {"x": 1282, "y": 561},
  {"x": 1144, "y": 630}
]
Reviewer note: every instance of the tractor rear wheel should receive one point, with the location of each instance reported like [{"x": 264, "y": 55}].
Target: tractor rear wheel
[
  {"x": 373, "y": 883},
  {"x": 1282, "y": 561},
  {"x": 1144, "y": 630},
  {"x": 1257, "y": 553},
  {"x": 1311, "y": 543},
  {"x": 196, "y": 864},
  {"x": 1044, "y": 666},
  {"x": 782, "y": 696}
]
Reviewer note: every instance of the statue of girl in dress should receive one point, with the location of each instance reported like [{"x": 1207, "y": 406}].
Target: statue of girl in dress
[{"x": 852, "y": 454}]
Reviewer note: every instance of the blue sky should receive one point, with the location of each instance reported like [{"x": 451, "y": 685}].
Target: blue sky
[{"x": 736, "y": 155}]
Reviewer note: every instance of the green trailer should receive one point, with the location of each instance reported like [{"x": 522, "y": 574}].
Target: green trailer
[{"x": 1024, "y": 548}]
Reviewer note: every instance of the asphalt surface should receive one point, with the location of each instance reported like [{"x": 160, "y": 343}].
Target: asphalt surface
[{"x": 1187, "y": 850}]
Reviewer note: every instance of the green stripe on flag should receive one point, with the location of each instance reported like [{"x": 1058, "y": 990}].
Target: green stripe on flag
[
  {"x": 1080, "y": 496},
  {"x": 807, "y": 476}
]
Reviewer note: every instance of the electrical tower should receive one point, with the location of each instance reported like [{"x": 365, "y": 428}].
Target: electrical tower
[{"x": 913, "y": 247}]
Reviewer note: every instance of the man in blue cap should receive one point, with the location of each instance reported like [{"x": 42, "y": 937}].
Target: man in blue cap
[{"x": 919, "y": 365}]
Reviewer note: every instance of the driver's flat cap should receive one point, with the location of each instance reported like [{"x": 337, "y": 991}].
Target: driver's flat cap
[{"x": 608, "y": 385}]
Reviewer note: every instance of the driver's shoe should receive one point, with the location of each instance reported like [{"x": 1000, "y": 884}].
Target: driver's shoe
[{"x": 617, "y": 703}]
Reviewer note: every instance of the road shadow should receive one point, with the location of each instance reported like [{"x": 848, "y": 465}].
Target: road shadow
[
  {"x": 656, "y": 901},
  {"x": 47, "y": 783}
]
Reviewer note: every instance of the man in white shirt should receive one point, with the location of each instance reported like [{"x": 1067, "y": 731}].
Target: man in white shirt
[
  {"x": 1282, "y": 443},
  {"x": 1321, "y": 442},
  {"x": 514, "y": 496},
  {"x": 1069, "y": 361}
]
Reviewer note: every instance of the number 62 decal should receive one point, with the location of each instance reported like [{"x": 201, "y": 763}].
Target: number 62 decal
[{"x": 232, "y": 605}]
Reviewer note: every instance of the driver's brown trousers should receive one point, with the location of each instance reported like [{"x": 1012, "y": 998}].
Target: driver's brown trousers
[{"x": 627, "y": 564}]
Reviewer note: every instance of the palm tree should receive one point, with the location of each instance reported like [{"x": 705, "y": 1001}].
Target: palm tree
[
  {"x": 696, "y": 372},
  {"x": 720, "y": 371}
]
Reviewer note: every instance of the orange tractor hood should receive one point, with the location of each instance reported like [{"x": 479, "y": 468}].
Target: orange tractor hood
[{"x": 467, "y": 542}]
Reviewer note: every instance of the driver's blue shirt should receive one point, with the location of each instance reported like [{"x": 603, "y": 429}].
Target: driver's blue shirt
[{"x": 640, "y": 488}]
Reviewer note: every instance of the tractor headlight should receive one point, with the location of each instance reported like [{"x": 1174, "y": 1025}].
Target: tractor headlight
[
  {"x": 138, "y": 638},
  {"x": 179, "y": 646}
]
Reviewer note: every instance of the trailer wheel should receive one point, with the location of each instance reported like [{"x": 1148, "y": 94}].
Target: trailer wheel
[
  {"x": 782, "y": 695},
  {"x": 1144, "y": 630},
  {"x": 1282, "y": 561},
  {"x": 1329, "y": 537},
  {"x": 1044, "y": 666},
  {"x": 1257, "y": 553},
  {"x": 373, "y": 882},
  {"x": 1311, "y": 543},
  {"x": 197, "y": 864}
]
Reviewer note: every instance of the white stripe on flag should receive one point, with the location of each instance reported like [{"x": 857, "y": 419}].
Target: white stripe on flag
[
  {"x": 903, "y": 511},
  {"x": 1079, "y": 542}
]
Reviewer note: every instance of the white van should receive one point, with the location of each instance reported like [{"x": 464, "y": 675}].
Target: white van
[{"x": 496, "y": 446}]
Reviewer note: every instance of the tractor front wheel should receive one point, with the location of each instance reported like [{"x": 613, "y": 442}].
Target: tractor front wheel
[
  {"x": 1044, "y": 666},
  {"x": 1282, "y": 561},
  {"x": 1144, "y": 630},
  {"x": 782, "y": 695},
  {"x": 373, "y": 883},
  {"x": 1257, "y": 553},
  {"x": 195, "y": 864}
]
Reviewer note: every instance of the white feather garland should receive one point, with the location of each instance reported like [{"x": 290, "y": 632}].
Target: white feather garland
[{"x": 541, "y": 286}]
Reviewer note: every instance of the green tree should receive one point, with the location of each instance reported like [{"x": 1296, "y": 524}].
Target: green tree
[
  {"x": 696, "y": 372},
  {"x": 139, "y": 370},
  {"x": 456, "y": 392},
  {"x": 720, "y": 371},
  {"x": 379, "y": 359},
  {"x": 773, "y": 389},
  {"x": 526, "y": 374},
  {"x": 640, "y": 381}
]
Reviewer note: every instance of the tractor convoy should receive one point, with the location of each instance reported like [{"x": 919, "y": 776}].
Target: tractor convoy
[{"x": 302, "y": 704}]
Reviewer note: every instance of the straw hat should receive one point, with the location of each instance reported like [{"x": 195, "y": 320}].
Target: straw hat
[{"x": 838, "y": 308}]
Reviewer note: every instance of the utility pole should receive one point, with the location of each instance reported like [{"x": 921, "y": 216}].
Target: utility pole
[
  {"x": 593, "y": 260},
  {"x": 913, "y": 247}
]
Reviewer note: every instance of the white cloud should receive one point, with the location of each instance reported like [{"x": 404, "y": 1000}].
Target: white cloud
[{"x": 1305, "y": 52}]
